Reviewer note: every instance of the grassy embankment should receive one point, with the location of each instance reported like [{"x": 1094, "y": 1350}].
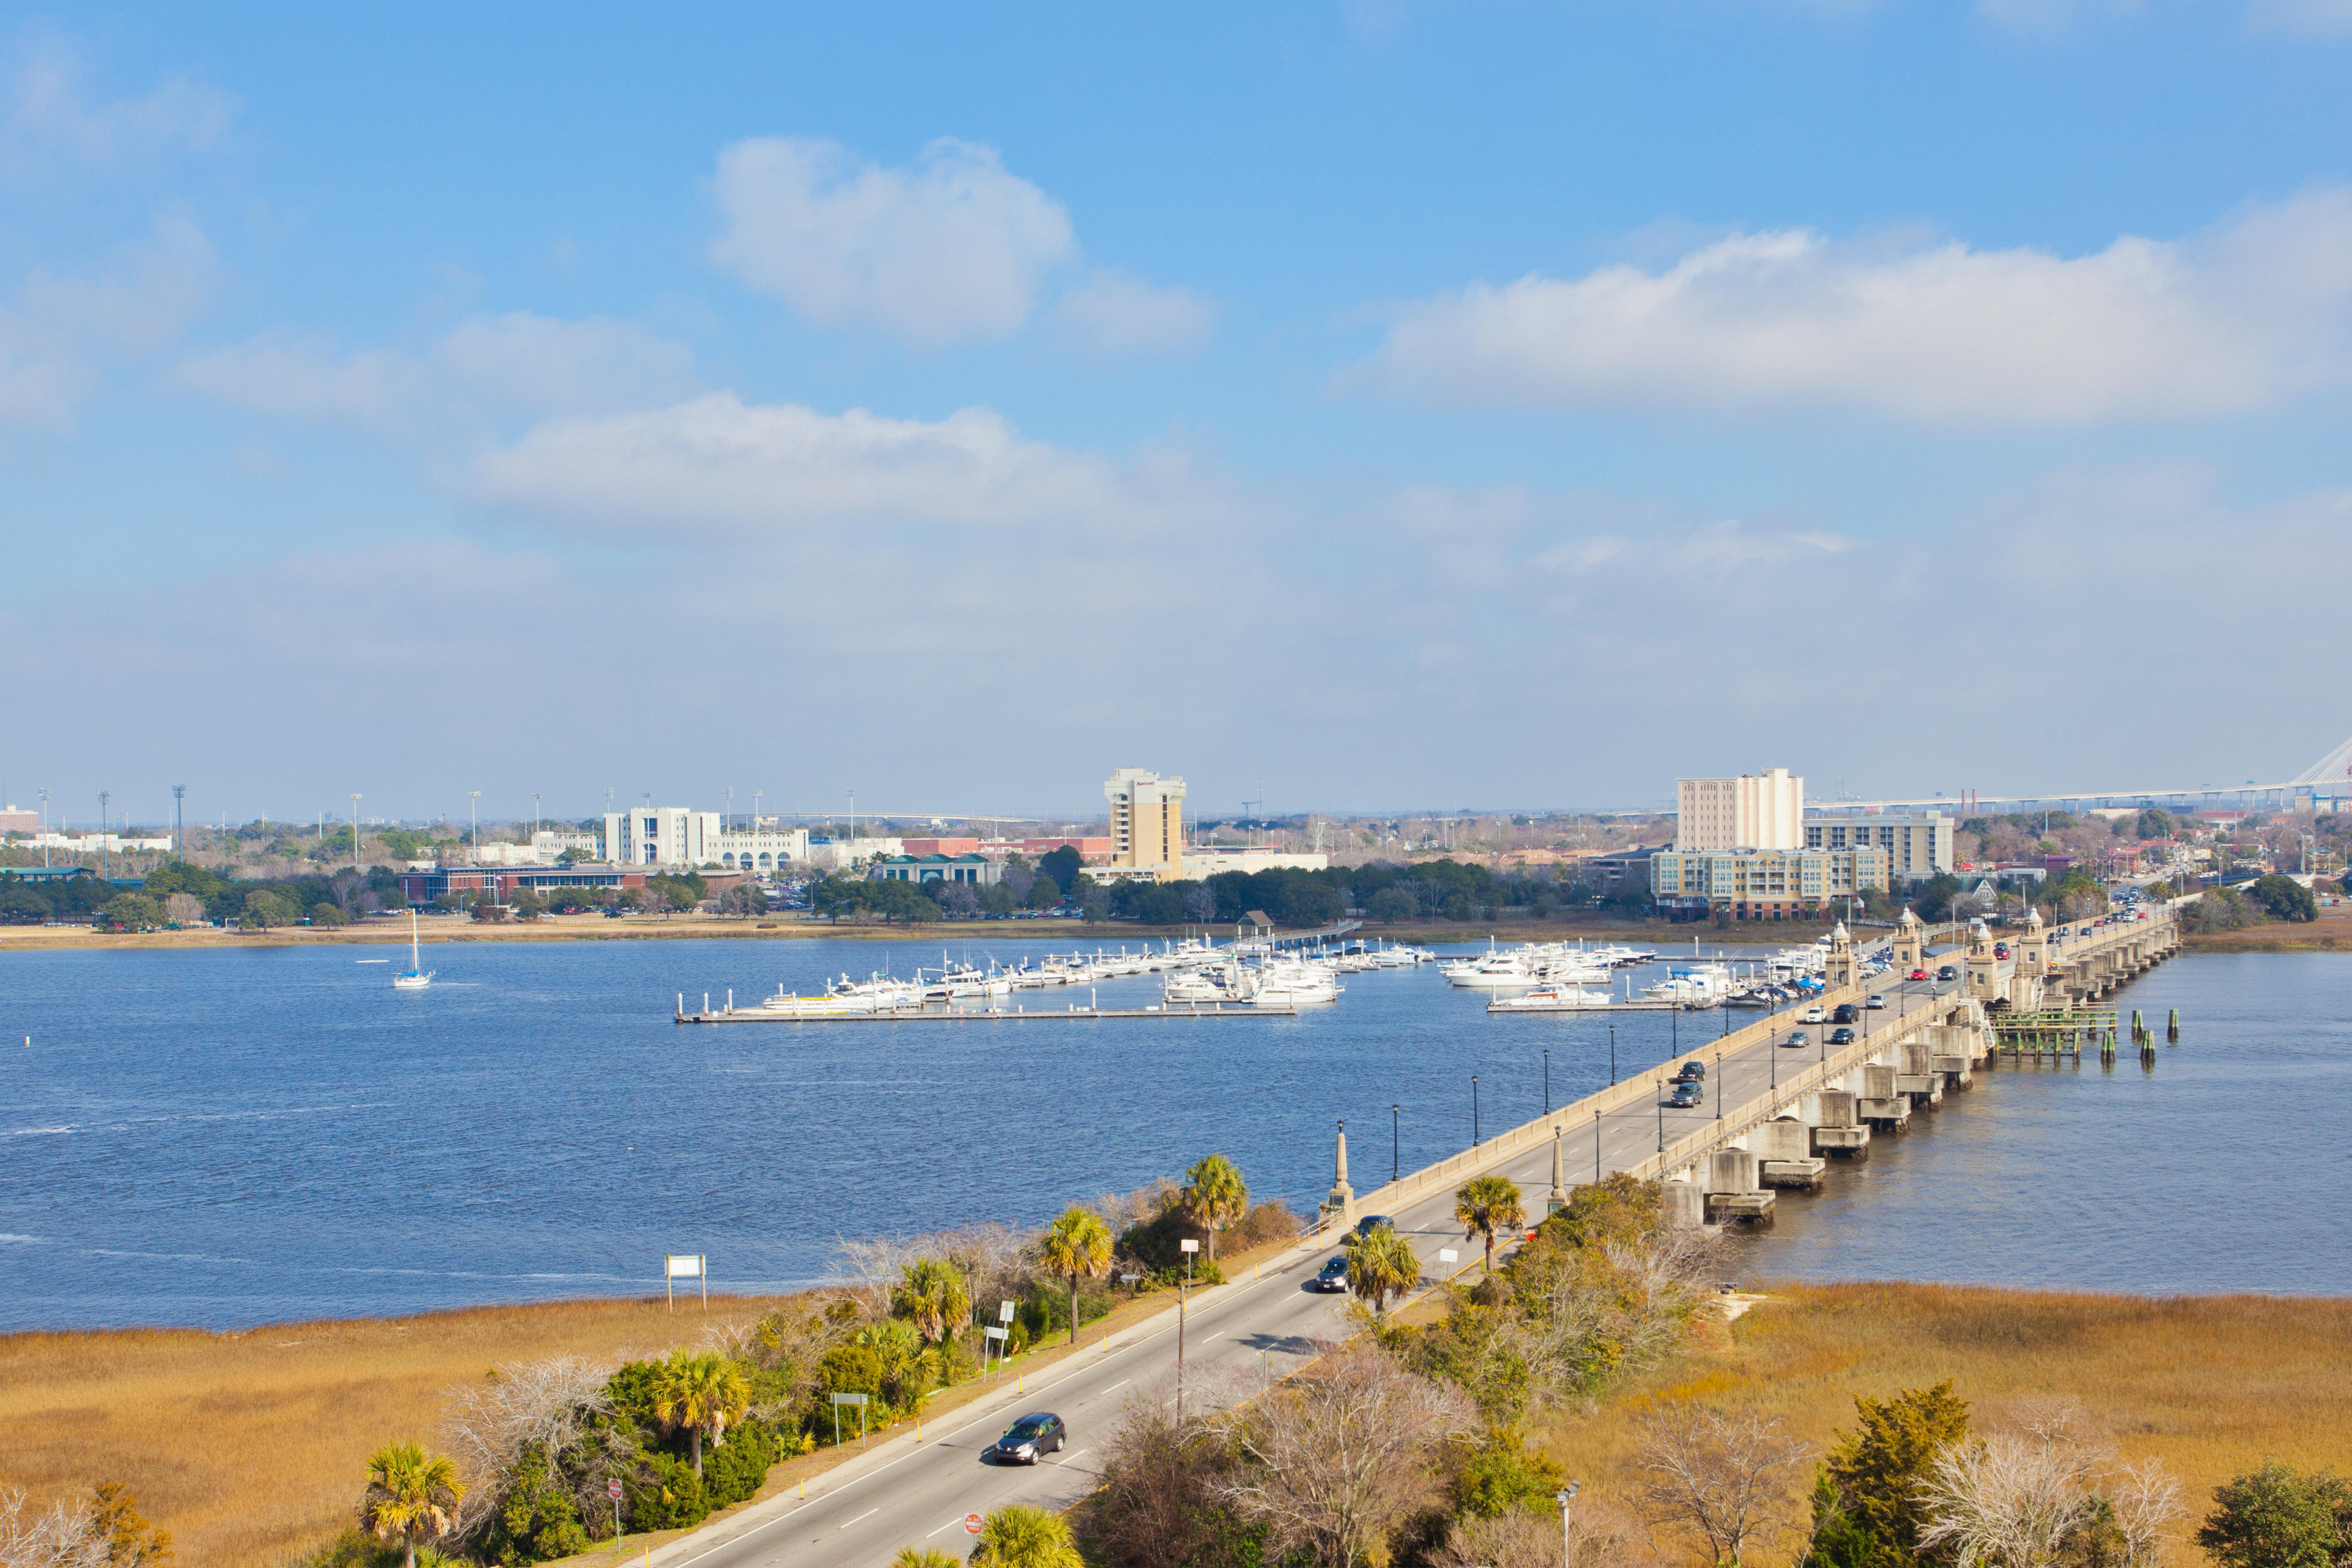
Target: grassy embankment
[
  {"x": 2210, "y": 1385},
  {"x": 252, "y": 1448},
  {"x": 2331, "y": 933}
]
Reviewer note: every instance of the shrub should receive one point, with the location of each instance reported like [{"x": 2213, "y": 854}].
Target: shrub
[
  {"x": 1266, "y": 1222},
  {"x": 329, "y": 915},
  {"x": 537, "y": 1519},
  {"x": 1499, "y": 1475},
  {"x": 737, "y": 1468},
  {"x": 2278, "y": 1518},
  {"x": 672, "y": 1498}
]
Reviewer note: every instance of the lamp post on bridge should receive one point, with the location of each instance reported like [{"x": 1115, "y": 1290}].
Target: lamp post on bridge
[
  {"x": 1546, "y": 1083},
  {"x": 1396, "y": 1140},
  {"x": 1474, "y": 1139}
]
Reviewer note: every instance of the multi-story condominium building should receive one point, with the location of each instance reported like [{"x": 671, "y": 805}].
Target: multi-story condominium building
[
  {"x": 1763, "y": 884},
  {"x": 1147, "y": 823},
  {"x": 1917, "y": 844},
  {"x": 1754, "y": 811}
]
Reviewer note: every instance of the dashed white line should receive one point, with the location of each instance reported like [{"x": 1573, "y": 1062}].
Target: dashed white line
[
  {"x": 869, "y": 1514},
  {"x": 950, "y": 1525},
  {"x": 1069, "y": 1459},
  {"x": 1114, "y": 1388}
]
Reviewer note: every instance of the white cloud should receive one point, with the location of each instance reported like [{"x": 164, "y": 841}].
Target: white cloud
[
  {"x": 718, "y": 464},
  {"x": 950, "y": 250},
  {"x": 2236, "y": 318},
  {"x": 49, "y": 113},
  {"x": 53, "y": 338},
  {"x": 485, "y": 369},
  {"x": 1114, "y": 313},
  {"x": 2328, "y": 18}
]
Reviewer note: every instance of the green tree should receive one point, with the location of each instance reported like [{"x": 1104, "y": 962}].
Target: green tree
[
  {"x": 934, "y": 1298},
  {"x": 130, "y": 1542},
  {"x": 2286, "y": 898},
  {"x": 1485, "y": 1205},
  {"x": 1044, "y": 893},
  {"x": 1381, "y": 1267},
  {"x": 411, "y": 1493},
  {"x": 924, "y": 1557},
  {"x": 1062, "y": 865},
  {"x": 2277, "y": 1517},
  {"x": 698, "y": 1390},
  {"x": 528, "y": 905},
  {"x": 326, "y": 916},
  {"x": 1215, "y": 1195},
  {"x": 1867, "y": 1508},
  {"x": 1020, "y": 1536},
  {"x": 1390, "y": 905},
  {"x": 265, "y": 908},
  {"x": 1076, "y": 1246},
  {"x": 131, "y": 911}
]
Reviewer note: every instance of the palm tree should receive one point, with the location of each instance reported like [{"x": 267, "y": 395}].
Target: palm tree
[
  {"x": 1215, "y": 1194},
  {"x": 1486, "y": 1205},
  {"x": 699, "y": 1390},
  {"x": 934, "y": 1298},
  {"x": 411, "y": 1493},
  {"x": 1077, "y": 1243},
  {"x": 924, "y": 1557},
  {"x": 1382, "y": 1266},
  {"x": 904, "y": 1359},
  {"x": 1018, "y": 1536}
]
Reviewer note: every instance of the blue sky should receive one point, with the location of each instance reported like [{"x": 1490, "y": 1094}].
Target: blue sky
[{"x": 1392, "y": 406}]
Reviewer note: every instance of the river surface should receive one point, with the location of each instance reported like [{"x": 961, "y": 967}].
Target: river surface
[{"x": 220, "y": 1137}]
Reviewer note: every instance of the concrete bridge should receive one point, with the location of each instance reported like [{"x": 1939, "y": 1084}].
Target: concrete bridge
[{"x": 1781, "y": 1100}]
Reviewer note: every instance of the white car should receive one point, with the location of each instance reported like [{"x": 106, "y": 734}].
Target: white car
[{"x": 1815, "y": 1015}]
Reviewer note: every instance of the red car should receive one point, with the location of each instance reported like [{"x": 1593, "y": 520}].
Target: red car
[{"x": 1918, "y": 974}]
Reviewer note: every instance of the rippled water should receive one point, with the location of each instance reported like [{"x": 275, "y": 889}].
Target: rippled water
[{"x": 222, "y": 1136}]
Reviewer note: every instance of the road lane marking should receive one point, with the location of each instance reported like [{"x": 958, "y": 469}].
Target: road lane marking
[
  {"x": 1069, "y": 1459},
  {"x": 869, "y": 1514},
  {"x": 1114, "y": 1388},
  {"x": 950, "y": 1525}
]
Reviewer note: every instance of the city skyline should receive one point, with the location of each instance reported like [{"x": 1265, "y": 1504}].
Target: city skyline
[{"x": 748, "y": 395}]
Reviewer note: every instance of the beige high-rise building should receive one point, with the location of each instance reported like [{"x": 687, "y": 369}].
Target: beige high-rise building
[
  {"x": 1147, "y": 823},
  {"x": 1754, "y": 811}
]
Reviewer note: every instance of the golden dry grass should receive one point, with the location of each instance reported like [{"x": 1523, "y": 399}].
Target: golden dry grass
[
  {"x": 2331, "y": 933},
  {"x": 2209, "y": 1384},
  {"x": 250, "y": 1446}
]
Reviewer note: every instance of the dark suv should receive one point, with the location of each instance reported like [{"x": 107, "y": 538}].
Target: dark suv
[
  {"x": 1334, "y": 1276},
  {"x": 1029, "y": 1437},
  {"x": 1689, "y": 1094},
  {"x": 1373, "y": 1222}
]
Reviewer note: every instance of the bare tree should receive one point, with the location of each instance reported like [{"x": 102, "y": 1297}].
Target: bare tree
[
  {"x": 1727, "y": 1478},
  {"x": 1597, "y": 1537},
  {"x": 544, "y": 1403},
  {"x": 1339, "y": 1456},
  {"x": 2020, "y": 1500},
  {"x": 183, "y": 909},
  {"x": 1623, "y": 1303},
  {"x": 59, "y": 1537}
]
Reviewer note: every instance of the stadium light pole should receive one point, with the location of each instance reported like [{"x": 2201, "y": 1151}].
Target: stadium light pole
[{"x": 355, "y": 831}]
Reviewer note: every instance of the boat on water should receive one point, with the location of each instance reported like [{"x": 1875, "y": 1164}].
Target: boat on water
[
  {"x": 1557, "y": 999},
  {"x": 416, "y": 977}
]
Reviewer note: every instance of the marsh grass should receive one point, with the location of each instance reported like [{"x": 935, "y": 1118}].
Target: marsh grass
[{"x": 2210, "y": 1385}]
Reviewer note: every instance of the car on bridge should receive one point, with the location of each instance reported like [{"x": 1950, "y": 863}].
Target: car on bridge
[
  {"x": 1815, "y": 1015},
  {"x": 1876, "y": 1000},
  {"x": 1029, "y": 1439},
  {"x": 1693, "y": 1071},
  {"x": 2000, "y": 950},
  {"x": 1840, "y": 1036},
  {"x": 1796, "y": 1037},
  {"x": 1373, "y": 1222},
  {"x": 1688, "y": 1094},
  {"x": 1334, "y": 1275},
  {"x": 1947, "y": 972},
  {"x": 1917, "y": 975},
  {"x": 1846, "y": 1014}
]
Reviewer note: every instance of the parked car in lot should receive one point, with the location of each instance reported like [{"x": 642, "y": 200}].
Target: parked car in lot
[
  {"x": 1876, "y": 1000},
  {"x": 1029, "y": 1439},
  {"x": 1797, "y": 1037},
  {"x": 1333, "y": 1277},
  {"x": 1947, "y": 972},
  {"x": 1688, "y": 1092},
  {"x": 1840, "y": 1036},
  {"x": 1814, "y": 1015}
]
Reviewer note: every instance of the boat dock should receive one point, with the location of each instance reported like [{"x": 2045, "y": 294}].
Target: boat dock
[{"x": 730, "y": 1014}]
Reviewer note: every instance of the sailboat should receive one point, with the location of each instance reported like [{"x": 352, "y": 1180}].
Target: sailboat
[{"x": 418, "y": 976}]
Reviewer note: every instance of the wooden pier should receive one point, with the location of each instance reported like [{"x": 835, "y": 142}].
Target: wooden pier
[{"x": 985, "y": 1015}]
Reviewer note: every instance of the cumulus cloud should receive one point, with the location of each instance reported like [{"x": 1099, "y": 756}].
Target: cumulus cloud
[
  {"x": 62, "y": 326},
  {"x": 952, "y": 248},
  {"x": 50, "y": 114},
  {"x": 1114, "y": 313},
  {"x": 2236, "y": 318},
  {"x": 486, "y": 368},
  {"x": 717, "y": 463}
]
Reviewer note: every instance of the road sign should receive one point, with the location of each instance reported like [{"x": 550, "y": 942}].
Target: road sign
[
  {"x": 971, "y": 1523},
  {"x": 613, "y": 1491},
  {"x": 850, "y": 1398},
  {"x": 1004, "y": 1312},
  {"x": 1447, "y": 1255},
  {"x": 996, "y": 1334},
  {"x": 1188, "y": 1245}
]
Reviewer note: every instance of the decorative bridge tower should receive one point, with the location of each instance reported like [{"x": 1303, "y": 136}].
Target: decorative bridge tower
[
  {"x": 1910, "y": 946},
  {"x": 1839, "y": 971}
]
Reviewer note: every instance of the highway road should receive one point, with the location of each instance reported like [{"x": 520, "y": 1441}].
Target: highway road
[{"x": 907, "y": 1492}]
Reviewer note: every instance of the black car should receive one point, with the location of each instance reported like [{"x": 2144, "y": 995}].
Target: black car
[
  {"x": 1840, "y": 1036},
  {"x": 1334, "y": 1276},
  {"x": 1688, "y": 1092},
  {"x": 1373, "y": 1222},
  {"x": 1846, "y": 1014},
  {"x": 1029, "y": 1437},
  {"x": 1692, "y": 1071},
  {"x": 1947, "y": 972}
]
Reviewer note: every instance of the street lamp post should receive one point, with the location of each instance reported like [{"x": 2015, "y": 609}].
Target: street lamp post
[
  {"x": 1612, "y": 1056},
  {"x": 1474, "y": 1110},
  {"x": 179, "y": 831},
  {"x": 1546, "y": 1083},
  {"x": 474, "y": 811},
  {"x": 105, "y": 855},
  {"x": 1396, "y": 1141},
  {"x": 355, "y": 832}
]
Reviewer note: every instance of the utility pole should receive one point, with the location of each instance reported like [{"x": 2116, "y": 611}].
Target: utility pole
[
  {"x": 179, "y": 839},
  {"x": 534, "y": 817},
  {"x": 355, "y": 832},
  {"x": 105, "y": 855},
  {"x": 474, "y": 810}
]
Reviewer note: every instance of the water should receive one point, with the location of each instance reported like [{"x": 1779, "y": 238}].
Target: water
[
  {"x": 2219, "y": 1170},
  {"x": 220, "y": 1137}
]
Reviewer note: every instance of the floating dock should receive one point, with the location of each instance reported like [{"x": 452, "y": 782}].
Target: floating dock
[{"x": 981, "y": 1014}]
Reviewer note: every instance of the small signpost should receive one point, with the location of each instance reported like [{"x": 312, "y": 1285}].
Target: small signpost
[
  {"x": 680, "y": 1265},
  {"x": 971, "y": 1523},
  {"x": 613, "y": 1491},
  {"x": 992, "y": 1336},
  {"x": 1447, "y": 1255},
  {"x": 839, "y": 1400}
]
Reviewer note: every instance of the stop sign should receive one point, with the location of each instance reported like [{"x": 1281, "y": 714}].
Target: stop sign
[
  {"x": 971, "y": 1523},
  {"x": 613, "y": 1491}
]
